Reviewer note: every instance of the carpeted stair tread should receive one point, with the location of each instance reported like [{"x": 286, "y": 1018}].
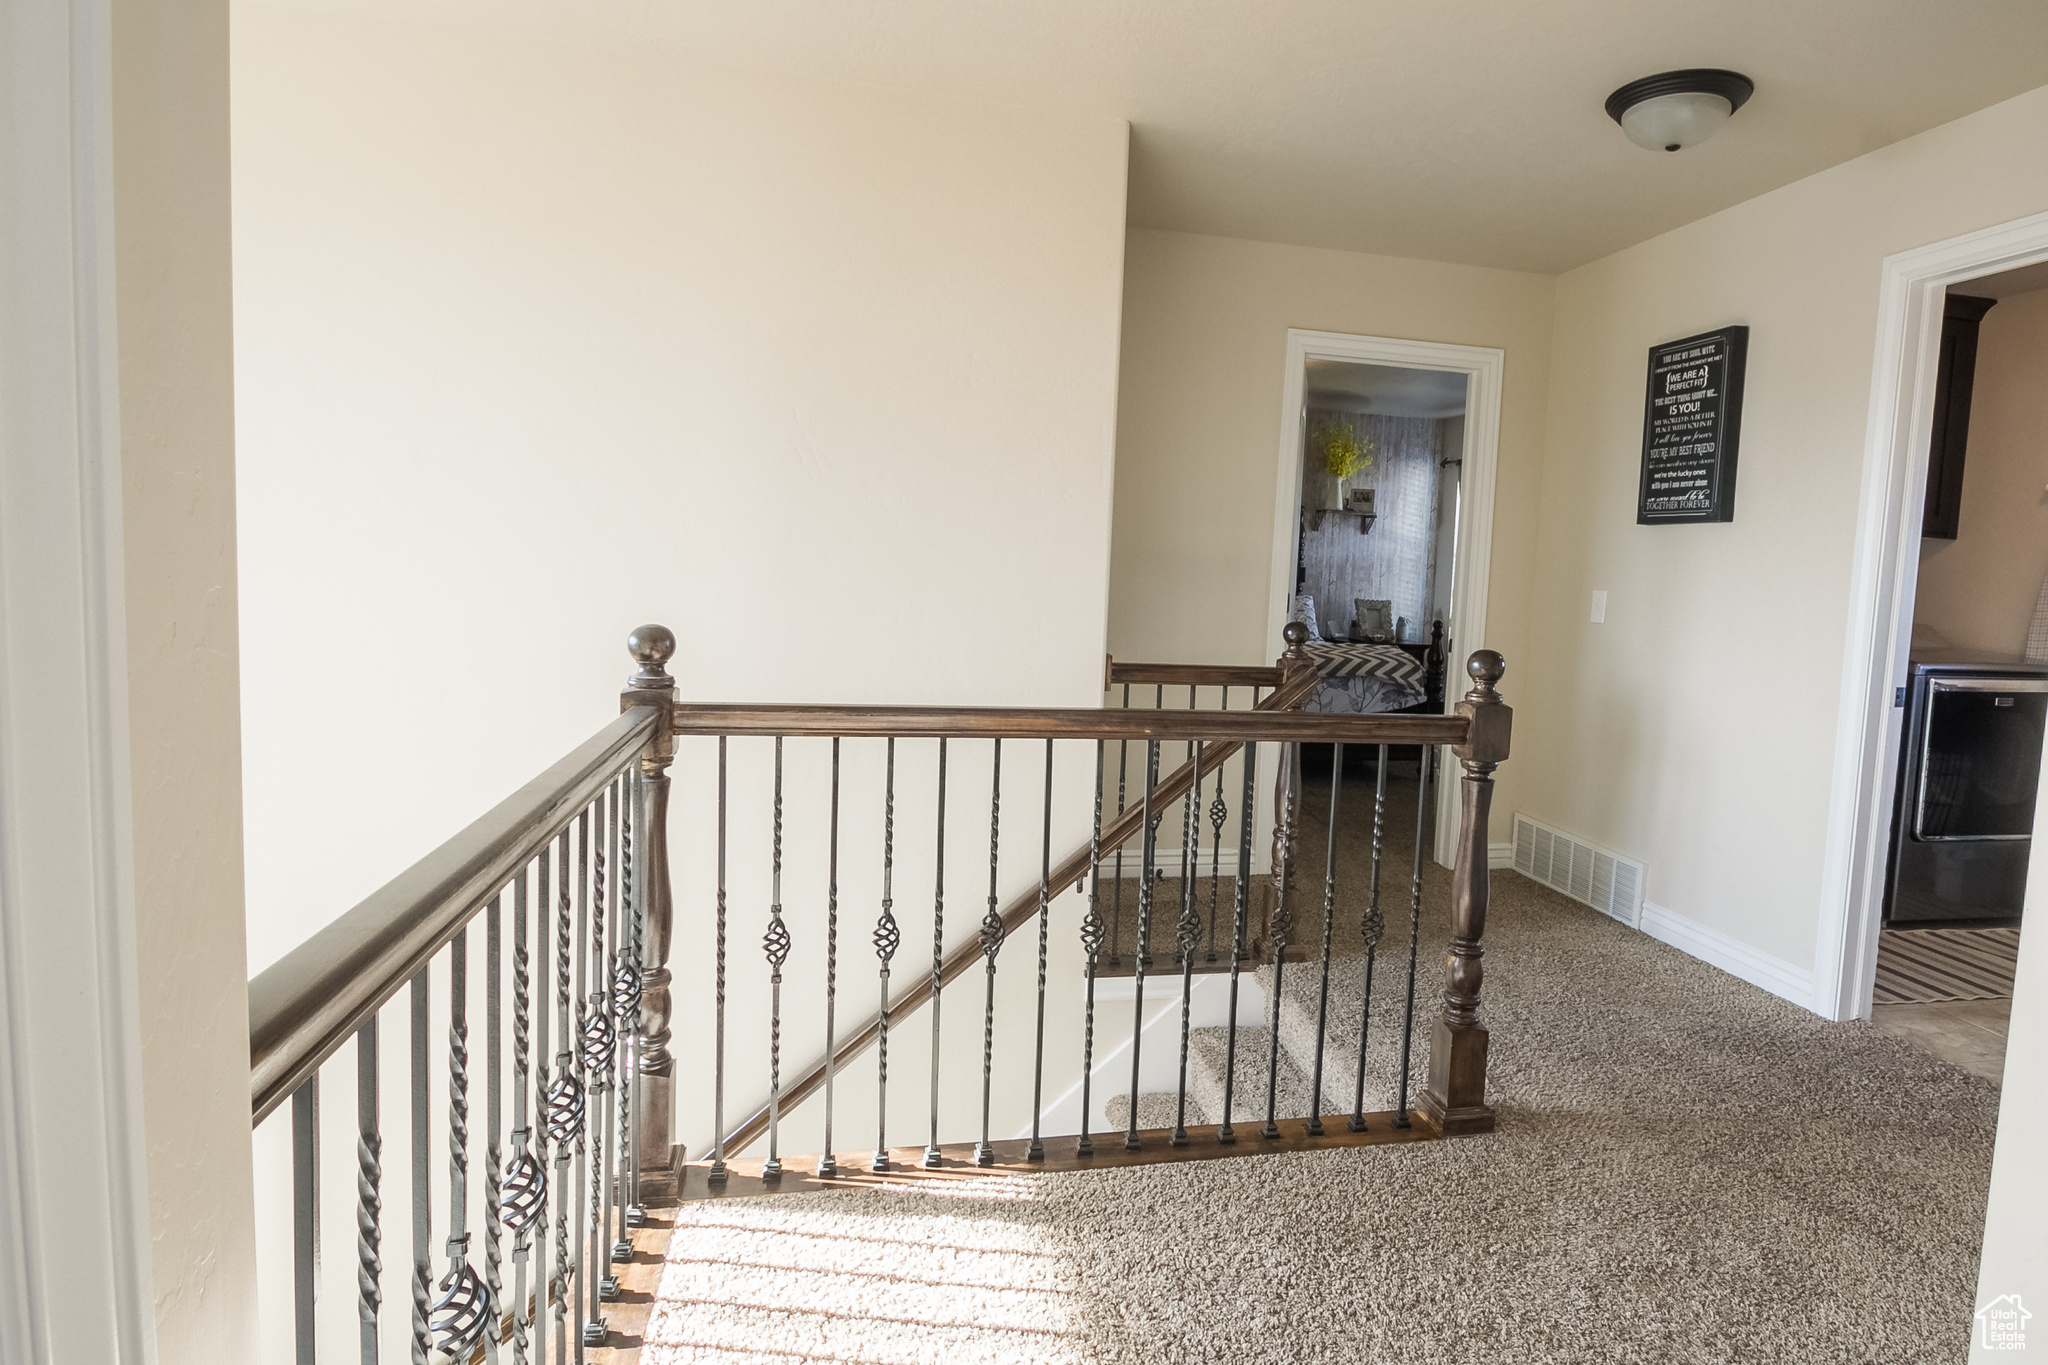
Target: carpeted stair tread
[{"x": 1155, "y": 1110}]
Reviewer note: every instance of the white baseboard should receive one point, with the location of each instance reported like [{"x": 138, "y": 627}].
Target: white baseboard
[
  {"x": 1500, "y": 855},
  {"x": 1732, "y": 956}
]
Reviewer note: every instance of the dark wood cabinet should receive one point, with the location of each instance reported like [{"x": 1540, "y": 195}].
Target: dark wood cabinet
[{"x": 1955, "y": 379}]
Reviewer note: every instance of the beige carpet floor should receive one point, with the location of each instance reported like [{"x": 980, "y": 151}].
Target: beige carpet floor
[{"x": 1686, "y": 1169}]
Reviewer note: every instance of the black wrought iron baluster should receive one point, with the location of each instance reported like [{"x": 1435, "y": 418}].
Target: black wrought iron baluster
[
  {"x": 1282, "y": 927},
  {"x": 369, "y": 1200},
  {"x": 523, "y": 1195},
  {"x": 1401, "y": 1119},
  {"x": 305, "y": 1215},
  {"x": 1371, "y": 929},
  {"x": 626, "y": 1013},
  {"x": 1219, "y": 812},
  {"x": 1153, "y": 872},
  {"x": 991, "y": 944},
  {"x": 1036, "y": 1150},
  {"x": 1191, "y": 811},
  {"x": 775, "y": 943},
  {"x": 543, "y": 1106},
  {"x": 931, "y": 1147},
  {"x": 422, "y": 1192},
  {"x": 1240, "y": 914},
  {"x": 565, "y": 1100},
  {"x": 494, "y": 1064},
  {"x": 887, "y": 936},
  {"x": 573, "y": 1254},
  {"x": 1144, "y": 953},
  {"x": 1315, "y": 1104},
  {"x": 717, "y": 1174},
  {"x": 599, "y": 1043},
  {"x": 1091, "y": 944},
  {"x": 1116, "y": 923},
  {"x": 1189, "y": 937},
  {"x": 465, "y": 1304},
  {"x": 827, "y": 1166}
]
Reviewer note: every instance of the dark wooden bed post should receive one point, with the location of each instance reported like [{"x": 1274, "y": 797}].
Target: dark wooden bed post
[{"x": 1454, "y": 1101}]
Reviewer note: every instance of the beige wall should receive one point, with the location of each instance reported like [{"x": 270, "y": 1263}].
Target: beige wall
[
  {"x": 1696, "y": 728},
  {"x": 1198, "y": 428},
  {"x": 178, "y": 493},
  {"x": 539, "y": 342},
  {"x": 1979, "y": 589}
]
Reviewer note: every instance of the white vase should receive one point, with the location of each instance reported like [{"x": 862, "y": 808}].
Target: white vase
[{"x": 1333, "y": 494}]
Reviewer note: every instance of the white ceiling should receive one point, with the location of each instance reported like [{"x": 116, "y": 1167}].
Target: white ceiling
[
  {"x": 1458, "y": 130},
  {"x": 1384, "y": 390}
]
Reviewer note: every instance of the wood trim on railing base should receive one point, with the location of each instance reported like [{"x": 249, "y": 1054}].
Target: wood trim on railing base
[
  {"x": 908, "y": 1171},
  {"x": 1454, "y": 1101}
]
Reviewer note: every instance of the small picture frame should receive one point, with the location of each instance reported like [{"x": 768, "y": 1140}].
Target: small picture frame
[
  {"x": 1358, "y": 500},
  {"x": 1374, "y": 621}
]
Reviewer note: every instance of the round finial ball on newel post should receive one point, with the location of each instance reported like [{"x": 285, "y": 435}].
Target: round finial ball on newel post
[
  {"x": 1296, "y": 636},
  {"x": 1486, "y": 667},
  {"x": 652, "y": 647}
]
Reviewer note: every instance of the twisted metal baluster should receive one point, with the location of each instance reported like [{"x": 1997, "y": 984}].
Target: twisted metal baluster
[
  {"x": 1282, "y": 926},
  {"x": 523, "y": 1178},
  {"x": 1315, "y": 1104},
  {"x": 1036, "y": 1151},
  {"x": 1219, "y": 812},
  {"x": 543, "y": 1093},
  {"x": 991, "y": 944},
  {"x": 565, "y": 1103},
  {"x": 494, "y": 1063},
  {"x": 369, "y": 1203},
  {"x": 1401, "y": 1119},
  {"x": 1143, "y": 957},
  {"x": 827, "y": 1167},
  {"x": 422, "y": 1191},
  {"x": 626, "y": 1010},
  {"x": 931, "y": 1147},
  {"x": 465, "y": 1304},
  {"x": 887, "y": 937},
  {"x": 1189, "y": 937},
  {"x": 572, "y": 1254},
  {"x": 1091, "y": 944},
  {"x": 1116, "y": 923},
  {"x": 718, "y": 1173},
  {"x": 1240, "y": 913},
  {"x": 775, "y": 943},
  {"x": 1149, "y": 899},
  {"x": 1372, "y": 928},
  {"x": 598, "y": 1046}
]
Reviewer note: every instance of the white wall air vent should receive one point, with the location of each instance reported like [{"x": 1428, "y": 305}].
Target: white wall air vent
[{"x": 1606, "y": 881}]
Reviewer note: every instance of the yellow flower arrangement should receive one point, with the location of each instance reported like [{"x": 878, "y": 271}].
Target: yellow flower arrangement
[{"x": 1345, "y": 452}]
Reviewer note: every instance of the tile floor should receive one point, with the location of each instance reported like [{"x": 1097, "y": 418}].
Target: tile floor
[{"x": 1969, "y": 1033}]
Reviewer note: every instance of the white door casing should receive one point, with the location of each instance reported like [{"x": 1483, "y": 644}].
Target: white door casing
[{"x": 1482, "y": 367}]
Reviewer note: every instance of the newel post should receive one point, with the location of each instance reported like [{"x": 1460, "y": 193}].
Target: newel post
[
  {"x": 653, "y": 1105},
  {"x": 1454, "y": 1101}
]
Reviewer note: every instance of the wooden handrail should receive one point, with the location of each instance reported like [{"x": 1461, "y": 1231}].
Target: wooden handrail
[
  {"x": 1190, "y": 675},
  {"x": 1065, "y": 873},
  {"x": 304, "y": 1006},
  {"x": 1082, "y": 723}
]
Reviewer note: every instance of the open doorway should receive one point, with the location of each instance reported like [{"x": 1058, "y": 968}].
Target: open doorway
[
  {"x": 1975, "y": 699},
  {"x": 1944, "y": 699},
  {"x": 1383, "y": 523}
]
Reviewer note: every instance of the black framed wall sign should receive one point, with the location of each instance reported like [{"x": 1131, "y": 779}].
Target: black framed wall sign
[{"x": 1692, "y": 424}]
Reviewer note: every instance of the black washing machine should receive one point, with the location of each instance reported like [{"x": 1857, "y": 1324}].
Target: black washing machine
[{"x": 1970, "y": 764}]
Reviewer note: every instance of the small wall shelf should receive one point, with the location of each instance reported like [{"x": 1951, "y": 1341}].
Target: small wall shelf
[{"x": 1365, "y": 519}]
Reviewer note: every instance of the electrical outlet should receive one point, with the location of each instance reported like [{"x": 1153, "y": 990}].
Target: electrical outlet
[{"x": 1599, "y": 605}]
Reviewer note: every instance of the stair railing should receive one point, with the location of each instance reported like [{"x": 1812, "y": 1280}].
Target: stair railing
[{"x": 574, "y": 870}]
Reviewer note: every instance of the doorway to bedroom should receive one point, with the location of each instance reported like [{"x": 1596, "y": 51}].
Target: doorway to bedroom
[{"x": 1385, "y": 519}]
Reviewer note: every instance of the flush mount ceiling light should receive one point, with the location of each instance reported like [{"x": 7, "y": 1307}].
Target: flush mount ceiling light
[{"x": 1678, "y": 109}]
